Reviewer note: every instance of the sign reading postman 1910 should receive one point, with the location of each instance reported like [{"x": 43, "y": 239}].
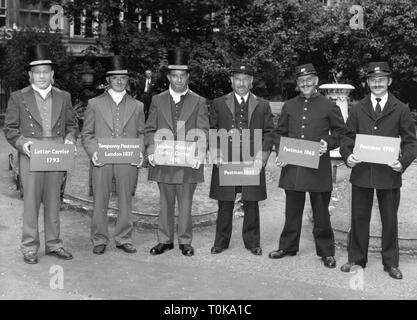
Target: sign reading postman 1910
[
  {"x": 51, "y": 156},
  {"x": 299, "y": 152},
  {"x": 175, "y": 153},
  {"x": 118, "y": 151},
  {"x": 377, "y": 149}
]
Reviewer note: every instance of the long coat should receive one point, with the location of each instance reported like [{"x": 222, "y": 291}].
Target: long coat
[
  {"x": 194, "y": 115},
  {"x": 98, "y": 122},
  {"x": 395, "y": 121},
  {"x": 259, "y": 117},
  {"x": 23, "y": 120},
  {"x": 310, "y": 119}
]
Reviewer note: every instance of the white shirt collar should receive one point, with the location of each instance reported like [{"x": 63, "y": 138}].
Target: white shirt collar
[
  {"x": 239, "y": 98},
  {"x": 177, "y": 96},
  {"x": 382, "y": 103},
  {"x": 116, "y": 96},
  {"x": 42, "y": 92}
]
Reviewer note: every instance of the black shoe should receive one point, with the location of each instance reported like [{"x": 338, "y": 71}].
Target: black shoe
[
  {"x": 257, "y": 251},
  {"x": 30, "y": 257},
  {"x": 161, "y": 248},
  {"x": 329, "y": 262},
  {"x": 127, "y": 247},
  {"x": 394, "y": 273},
  {"x": 99, "y": 249},
  {"x": 215, "y": 250},
  {"x": 61, "y": 253},
  {"x": 187, "y": 250},
  {"x": 348, "y": 266},
  {"x": 278, "y": 254}
]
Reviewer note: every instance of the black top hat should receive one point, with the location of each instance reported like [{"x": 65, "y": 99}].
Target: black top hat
[
  {"x": 38, "y": 55},
  {"x": 117, "y": 66},
  {"x": 305, "y": 69},
  {"x": 378, "y": 69},
  {"x": 178, "y": 59},
  {"x": 245, "y": 68}
]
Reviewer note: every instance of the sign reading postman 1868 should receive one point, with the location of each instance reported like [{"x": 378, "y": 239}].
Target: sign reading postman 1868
[
  {"x": 376, "y": 149},
  {"x": 299, "y": 152},
  {"x": 238, "y": 174},
  {"x": 175, "y": 153},
  {"x": 118, "y": 151},
  {"x": 51, "y": 156}
]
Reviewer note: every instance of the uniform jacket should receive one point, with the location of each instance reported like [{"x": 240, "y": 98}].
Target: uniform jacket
[
  {"x": 194, "y": 115},
  {"x": 395, "y": 121},
  {"x": 259, "y": 117},
  {"x": 98, "y": 122},
  {"x": 311, "y": 119},
  {"x": 23, "y": 120}
]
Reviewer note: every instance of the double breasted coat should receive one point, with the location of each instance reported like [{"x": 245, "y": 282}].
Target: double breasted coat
[
  {"x": 259, "y": 117},
  {"x": 311, "y": 119},
  {"x": 395, "y": 121},
  {"x": 194, "y": 115}
]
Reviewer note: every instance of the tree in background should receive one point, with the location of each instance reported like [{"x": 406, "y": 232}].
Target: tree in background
[{"x": 272, "y": 35}]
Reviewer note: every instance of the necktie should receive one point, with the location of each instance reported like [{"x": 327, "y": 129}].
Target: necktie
[
  {"x": 242, "y": 101},
  {"x": 378, "y": 110}
]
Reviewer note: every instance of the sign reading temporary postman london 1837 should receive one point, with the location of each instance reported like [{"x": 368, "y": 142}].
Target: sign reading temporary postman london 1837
[
  {"x": 299, "y": 152},
  {"x": 376, "y": 149},
  {"x": 118, "y": 151},
  {"x": 175, "y": 153},
  {"x": 51, "y": 156},
  {"x": 238, "y": 174}
]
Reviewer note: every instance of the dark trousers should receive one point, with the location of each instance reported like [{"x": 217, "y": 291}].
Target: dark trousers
[
  {"x": 250, "y": 229},
  {"x": 322, "y": 231},
  {"x": 184, "y": 193},
  {"x": 362, "y": 201}
]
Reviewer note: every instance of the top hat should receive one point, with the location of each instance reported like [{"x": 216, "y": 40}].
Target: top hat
[
  {"x": 39, "y": 55},
  {"x": 304, "y": 70},
  {"x": 378, "y": 69},
  {"x": 117, "y": 66},
  {"x": 245, "y": 68},
  {"x": 178, "y": 59}
]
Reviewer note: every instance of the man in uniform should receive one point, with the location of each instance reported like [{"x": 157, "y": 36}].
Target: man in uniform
[
  {"x": 40, "y": 113},
  {"x": 381, "y": 114},
  {"x": 240, "y": 110},
  {"x": 114, "y": 114},
  {"x": 309, "y": 116},
  {"x": 180, "y": 111}
]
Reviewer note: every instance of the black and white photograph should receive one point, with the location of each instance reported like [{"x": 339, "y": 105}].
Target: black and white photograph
[{"x": 208, "y": 159}]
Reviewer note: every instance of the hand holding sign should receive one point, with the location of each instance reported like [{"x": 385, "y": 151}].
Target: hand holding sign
[
  {"x": 352, "y": 160},
  {"x": 323, "y": 147},
  {"x": 151, "y": 160},
  {"x": 197, "y": 164},
  {"x": 279, "y": 163},
  {"x": 140, "y": 160},
  {"x": 95, "y": 161},
  {"x": 396, "y": 166},
  {"x": 26, "y": 148}
]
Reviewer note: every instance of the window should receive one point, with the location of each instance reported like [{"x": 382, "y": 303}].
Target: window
[
  {"x": 33, "y": 15},
  {"x": 3, "y": 11}
]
